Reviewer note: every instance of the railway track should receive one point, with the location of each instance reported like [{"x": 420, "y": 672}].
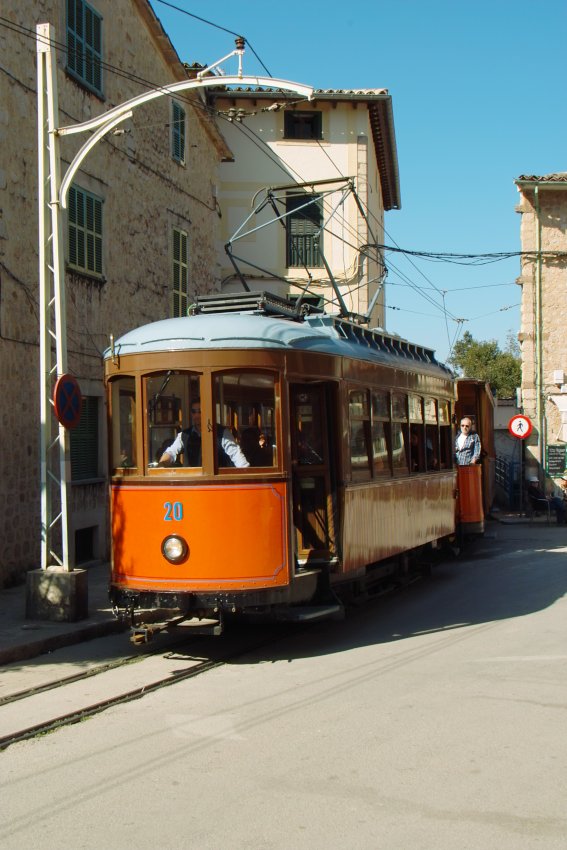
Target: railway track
[
  {"x": 43, "y": 708},
  {"x": 50, "y": 705}
]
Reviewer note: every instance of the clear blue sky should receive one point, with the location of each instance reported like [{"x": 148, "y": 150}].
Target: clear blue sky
[{"x": 478, "y": 95}]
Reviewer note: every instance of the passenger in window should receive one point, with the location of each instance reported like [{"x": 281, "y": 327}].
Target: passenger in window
[
  {"x": 188, "y": 443},
  {"x": 255, "y": 444},
  {"x": 161, "y": 449},
  {"x": 467, "y": 444}
]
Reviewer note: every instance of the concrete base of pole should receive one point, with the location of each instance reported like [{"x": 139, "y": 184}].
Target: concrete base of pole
[{"x": 57, "y": 594}]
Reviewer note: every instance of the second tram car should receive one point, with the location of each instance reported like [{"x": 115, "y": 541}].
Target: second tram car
[{"x": 347, "y": 440}]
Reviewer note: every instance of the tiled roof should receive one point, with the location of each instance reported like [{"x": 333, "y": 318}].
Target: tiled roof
[
  {"x": 362, "y": 93},
  {"x": 557, "y": 177}
]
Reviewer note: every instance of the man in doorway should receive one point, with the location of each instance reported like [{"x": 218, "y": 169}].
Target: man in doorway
[{"x": 467, "y": 444}]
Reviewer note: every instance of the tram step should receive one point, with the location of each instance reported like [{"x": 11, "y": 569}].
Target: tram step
[{"x": 304, "y": 613}]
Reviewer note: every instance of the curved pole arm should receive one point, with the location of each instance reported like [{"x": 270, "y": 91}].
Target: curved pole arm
[
  {"x": 89, "y": 144},
  {"x": 185, "y": 85}
]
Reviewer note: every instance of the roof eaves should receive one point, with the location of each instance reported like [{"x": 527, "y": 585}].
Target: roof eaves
[
  {"x": 179, "y": 71},
  {"x": 558, "y": 179}
]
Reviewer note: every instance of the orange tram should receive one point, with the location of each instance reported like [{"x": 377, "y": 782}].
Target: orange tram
[{"x": 324, "y": 460}]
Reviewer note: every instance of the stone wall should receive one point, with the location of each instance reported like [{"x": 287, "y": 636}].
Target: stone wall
[
  {"x": 145, "y": 193},
  {"x": 544, "y": 315}
]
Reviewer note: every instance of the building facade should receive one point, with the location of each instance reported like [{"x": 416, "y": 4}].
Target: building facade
[
  {"x": 543, "y": 207},
  {"x": 303, "y": 203},
  {"x": 141, "y": 236}
]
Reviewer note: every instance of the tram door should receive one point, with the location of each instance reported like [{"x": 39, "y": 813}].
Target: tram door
[{"x": 312, "y": 480}]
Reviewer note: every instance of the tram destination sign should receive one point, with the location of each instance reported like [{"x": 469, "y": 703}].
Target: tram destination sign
[{"x": 556, "y": 460}]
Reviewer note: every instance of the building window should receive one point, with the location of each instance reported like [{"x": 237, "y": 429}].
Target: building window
[
  {"x": 85, "y": 231},
  {"x": 179, "y": 273},
  {"x": 304, "y": 223},
  {"x": 177, "y": 132},
  {"x": 303, "y": 125},
  {"x": 84, "y": 44},
  {"x": 85, "y": 441}
]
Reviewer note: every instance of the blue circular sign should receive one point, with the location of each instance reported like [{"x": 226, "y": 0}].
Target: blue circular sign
[{"x": 68, "y": 401}]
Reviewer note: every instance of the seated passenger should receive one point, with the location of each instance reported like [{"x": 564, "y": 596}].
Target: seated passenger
[
  {"x": 256, "y": 446},
  {"x": 538, "y": 497},
  {"x": 188, "y": 442}
]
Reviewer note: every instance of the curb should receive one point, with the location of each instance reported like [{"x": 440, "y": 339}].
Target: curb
[{"x": 49, "y": 643}]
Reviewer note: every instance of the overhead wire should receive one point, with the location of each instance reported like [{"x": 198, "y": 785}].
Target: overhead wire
[
  {"x": 463, "y": 259},
  {"x": 216, "y": 26}
]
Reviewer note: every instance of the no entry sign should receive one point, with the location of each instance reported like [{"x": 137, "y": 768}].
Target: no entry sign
[
  {"x": 67, "y": 401},
  {"x": 520, "y": 426}
]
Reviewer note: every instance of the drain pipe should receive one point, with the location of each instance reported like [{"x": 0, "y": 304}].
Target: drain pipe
[{"x": 540, "y": 410}]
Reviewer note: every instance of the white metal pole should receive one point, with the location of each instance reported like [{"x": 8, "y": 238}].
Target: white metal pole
[
  {"x": 53, "y": 359},
  {"x": 44, "y": 345}
]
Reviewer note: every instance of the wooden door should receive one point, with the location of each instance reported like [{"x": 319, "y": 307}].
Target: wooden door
[{"x": 312, "y": 490}]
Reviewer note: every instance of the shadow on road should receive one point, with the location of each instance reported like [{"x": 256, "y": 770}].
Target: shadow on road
[{"x": 512, "y": 572}]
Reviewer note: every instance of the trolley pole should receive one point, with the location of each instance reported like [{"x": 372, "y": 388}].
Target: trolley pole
[{"x": 58, "y": 591}]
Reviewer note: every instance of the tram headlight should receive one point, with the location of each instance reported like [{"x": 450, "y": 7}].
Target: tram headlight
[{"x": 175, "y": 549}]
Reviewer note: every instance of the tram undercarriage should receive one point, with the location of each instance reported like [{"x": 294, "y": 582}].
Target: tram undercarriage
[{"x": 148, "y": 614}]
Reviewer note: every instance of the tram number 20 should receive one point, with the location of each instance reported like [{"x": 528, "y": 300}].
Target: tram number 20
[{"x": 173, "y": 511}]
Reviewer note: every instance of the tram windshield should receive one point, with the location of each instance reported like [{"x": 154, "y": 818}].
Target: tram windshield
[
  {"x": 245, "y": 412},
  {"x": 173, "y": 406},
  {"x": 123, "y": 403}
]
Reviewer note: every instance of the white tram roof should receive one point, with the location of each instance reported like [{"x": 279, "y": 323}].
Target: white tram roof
[{"x": 255, "y": 330}]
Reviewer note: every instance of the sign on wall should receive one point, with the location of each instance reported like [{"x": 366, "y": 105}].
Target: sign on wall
[{"x": 555, "y": 460}]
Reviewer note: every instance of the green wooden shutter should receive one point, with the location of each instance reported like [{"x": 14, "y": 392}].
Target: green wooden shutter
[
  {"x": 179, "y": 273},
  {"x": 303, "y": 225},
  {"x": 178, "y": 132},
  {"x": 85, "y": 442},
  {"x": 85, "y": 231},
  {"x": 84, "y": 44}
]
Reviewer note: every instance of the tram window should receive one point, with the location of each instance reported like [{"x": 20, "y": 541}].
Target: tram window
[
  {"x": 169, "y": 397},
  {"x": 123, "y": 405},
  {"x": 245, "y": 405},
  {"x": 432, "y": 448},
  {"x": 399, "y": 448},
  {"x": 381, "y": 434},
  {"x": 399, "y": 407},
  {"x": 360, "y": 435},
  {"x": 417, "y": 448},
  {"x": 308, "y": 428},
  {"x": 400, "y": 434},
  {"x": 417, "y": 434},
  {"x": 415, "y": 408},
  {"x": 432, "y": 454},
  {"x": 445, "y": 436}
]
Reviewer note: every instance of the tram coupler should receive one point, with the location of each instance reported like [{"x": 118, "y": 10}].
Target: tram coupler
[{"x": 145, "y": 632}]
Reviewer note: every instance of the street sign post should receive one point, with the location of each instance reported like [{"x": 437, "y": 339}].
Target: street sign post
[{"x": 521, "y": 426}]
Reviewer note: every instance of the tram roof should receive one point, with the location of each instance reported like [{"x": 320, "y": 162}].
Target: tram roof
[{"x": 320, "y": 333}]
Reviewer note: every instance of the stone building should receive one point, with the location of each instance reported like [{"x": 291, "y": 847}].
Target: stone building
[
  {"x": 141, "y": 236},
  {"x": 328, "y": 169},
  {"x": 543, "y": 338}
]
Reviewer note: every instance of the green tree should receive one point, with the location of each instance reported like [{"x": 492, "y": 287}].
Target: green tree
[{"x": 485, "y": 361}]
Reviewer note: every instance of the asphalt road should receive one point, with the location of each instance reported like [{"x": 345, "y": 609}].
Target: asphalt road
[{"x": 431, "y": 718}]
